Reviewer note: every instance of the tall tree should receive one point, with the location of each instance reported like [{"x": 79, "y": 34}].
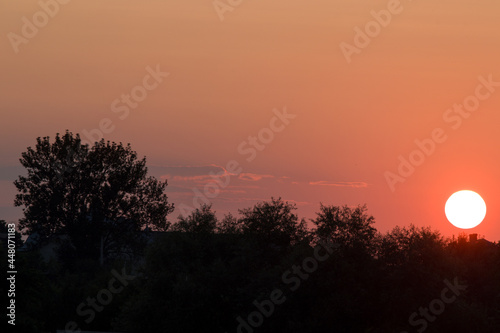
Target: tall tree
[{"x": 99, "y": 196}]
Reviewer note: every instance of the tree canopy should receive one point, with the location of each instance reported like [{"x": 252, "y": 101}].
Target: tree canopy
[
  {"x": 274, "y": 221},
  {"x": 96, "y": 195}
]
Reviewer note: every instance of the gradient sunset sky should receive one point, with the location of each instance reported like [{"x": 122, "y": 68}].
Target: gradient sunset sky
[{"x": 229, "y": 73}]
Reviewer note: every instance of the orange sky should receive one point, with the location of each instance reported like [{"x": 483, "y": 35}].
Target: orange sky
[{"x": 353, "y": 120}]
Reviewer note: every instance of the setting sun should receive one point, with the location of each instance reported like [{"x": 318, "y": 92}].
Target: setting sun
[{"x": 465, "y": 209}]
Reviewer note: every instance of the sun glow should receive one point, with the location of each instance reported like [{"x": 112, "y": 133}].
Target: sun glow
[{"x": 465, "y": 209}]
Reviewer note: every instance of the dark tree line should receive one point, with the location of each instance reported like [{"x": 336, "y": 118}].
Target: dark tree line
[
  {"x": 264, "y": 269},
  {"x": 206, "y": 273}
]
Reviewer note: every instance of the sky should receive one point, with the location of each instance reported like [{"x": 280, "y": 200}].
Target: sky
[{"x": 392, "y": 104}]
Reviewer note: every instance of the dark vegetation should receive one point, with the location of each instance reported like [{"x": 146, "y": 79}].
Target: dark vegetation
[{"x": 201, "y": 273}]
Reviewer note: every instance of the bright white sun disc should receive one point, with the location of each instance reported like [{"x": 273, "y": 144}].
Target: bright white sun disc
[{"x": 465, "y": 209}]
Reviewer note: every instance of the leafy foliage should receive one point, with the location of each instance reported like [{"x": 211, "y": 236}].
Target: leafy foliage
[
  {"x": 273, "y": 221},
  {"x": 201, "y": 220},
  {"x": 350, "y": 227},
  {"x": 97, "y": 195}
]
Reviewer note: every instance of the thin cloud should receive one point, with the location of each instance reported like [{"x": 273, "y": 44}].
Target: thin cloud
[
  {"x": 199, "y": 178},
  {"x": 253, "y": 176},
  {"x": 339, "y": 184}
]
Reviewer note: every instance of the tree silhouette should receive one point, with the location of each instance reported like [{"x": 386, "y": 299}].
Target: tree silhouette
[
  {"x": 229, "y": 225},
  {"x": 201, "y": 220},
  {"x": 350, "y": 227},
  {"x": 99, "y": 196},
  {"x": 274, "y": 221}
]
